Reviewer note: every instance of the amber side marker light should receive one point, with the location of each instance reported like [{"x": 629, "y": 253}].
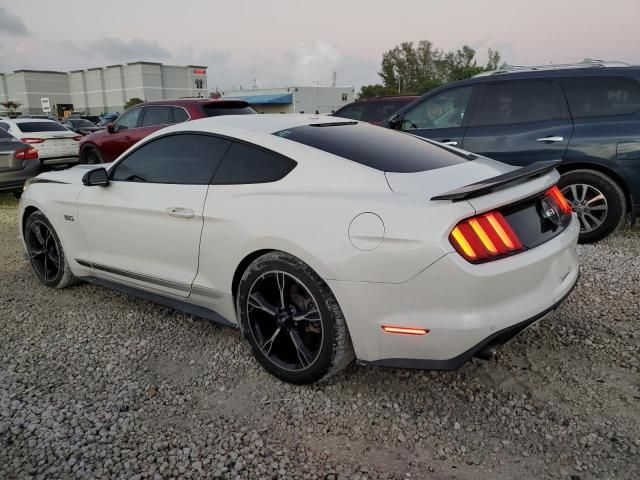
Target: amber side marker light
[{"x": 405, "y": 330}]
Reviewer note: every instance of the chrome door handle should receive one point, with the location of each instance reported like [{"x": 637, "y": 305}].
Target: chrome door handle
[
  {"x": 179, "y": 212},
  {"x": 451, "y": 143},
  {"x": 552, "y": 139}
]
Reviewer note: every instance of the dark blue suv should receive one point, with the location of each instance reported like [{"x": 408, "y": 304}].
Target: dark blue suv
[{"x": 588, "y": 116}]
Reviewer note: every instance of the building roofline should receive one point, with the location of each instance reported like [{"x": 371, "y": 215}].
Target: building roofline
[
  {"x": 37, "y": 71},
  {"x": 140, "y": 62}
]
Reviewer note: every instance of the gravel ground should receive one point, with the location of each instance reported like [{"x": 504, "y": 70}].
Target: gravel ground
[{"x": 94, "y": 384}]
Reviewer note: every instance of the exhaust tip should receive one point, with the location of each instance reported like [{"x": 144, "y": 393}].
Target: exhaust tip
[{"x": 487, "y": 353}]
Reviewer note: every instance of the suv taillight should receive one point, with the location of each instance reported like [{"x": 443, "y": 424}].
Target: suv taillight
[
  {"x": 484, "y": 238},
  {"x": 28, "y": 153}
]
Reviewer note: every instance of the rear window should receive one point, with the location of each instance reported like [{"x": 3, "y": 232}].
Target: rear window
[
  {"x": 375, "y": 147},
  {"x": 601, "y": 96},
  {"x": 215, "y": 110},
  {"x": 29, "y": 127}
]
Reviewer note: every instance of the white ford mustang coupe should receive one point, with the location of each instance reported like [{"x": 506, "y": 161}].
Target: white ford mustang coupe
[{"x": 323, "y": 239}]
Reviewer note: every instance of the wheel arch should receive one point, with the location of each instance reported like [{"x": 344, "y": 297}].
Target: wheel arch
[
  {"x": 569, "y": 167},
  {"x": 242, "y": 267},
  {"x": 27, "y": 212}
]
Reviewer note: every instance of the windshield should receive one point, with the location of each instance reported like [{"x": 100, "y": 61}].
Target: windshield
[
  {"x": 82, "y": 123},
  {"x": 375, "y": 147}
]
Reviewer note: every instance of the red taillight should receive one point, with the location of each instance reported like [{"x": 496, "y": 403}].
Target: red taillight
[
  {"x": 32, "y": 140},
  {"x": 485, "y": 237},
  {"x": 77, "y": 138},
  {"x": 555, "y": 193},
  {"x": 28, "y": 153}
]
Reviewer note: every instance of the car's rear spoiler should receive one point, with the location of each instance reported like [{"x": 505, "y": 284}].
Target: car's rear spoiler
[{"x": 508, "y": 179}]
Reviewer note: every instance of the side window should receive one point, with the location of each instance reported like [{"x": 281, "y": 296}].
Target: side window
[
  {"x": 598, "y": 96},
  {"x": 128, "y": 120},
  {"x": 445, "y": 110},
  {"x": 506, "y": 103},
  {"x": 247, "y": 164},
  {"x": 354, "y": 112},
  {"x": 156, "y": 115},
  {"x": 179, "y": 115},
  {"x": 187, "y": 159},
  {"x": 4, "y": 126}
]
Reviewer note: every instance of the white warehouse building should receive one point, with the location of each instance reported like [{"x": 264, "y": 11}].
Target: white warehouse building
[
  {"x": 295, "y": 99},
  {"x": 103, "y": 89}
]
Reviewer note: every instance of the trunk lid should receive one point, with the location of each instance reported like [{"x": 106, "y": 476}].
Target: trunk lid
[
  {"x": 441, "y": 181},
  {"x": 517, "y": 193}
]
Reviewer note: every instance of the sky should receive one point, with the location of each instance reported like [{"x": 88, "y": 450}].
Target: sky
[{"x": 299, "y": 42}]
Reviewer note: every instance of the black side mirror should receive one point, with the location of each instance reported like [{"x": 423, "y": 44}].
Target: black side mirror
[
  {"x": 395, "y": 122},
  {"x": 97, "y": 176},
  {"x": 110, "y": 128}
]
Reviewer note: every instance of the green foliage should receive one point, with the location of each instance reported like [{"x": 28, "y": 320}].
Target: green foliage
[
  {"x": 11, "y": 106},
  {"x": 132, "y": 101},
  {"x": 415, "y": 69}
]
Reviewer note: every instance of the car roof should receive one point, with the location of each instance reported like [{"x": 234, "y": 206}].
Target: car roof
[
  {"x": 197, "y": 101},
  {"x": 263, "y": 123}
]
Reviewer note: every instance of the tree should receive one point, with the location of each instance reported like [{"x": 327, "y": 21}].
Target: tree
[
  {"x": 416, "y": 69},
  {"x": 11, "y": 106},
  {"x": 131, "y": 102}
]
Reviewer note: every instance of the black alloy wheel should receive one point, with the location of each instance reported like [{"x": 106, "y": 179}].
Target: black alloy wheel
[
  {"x": 284, "y": 320},
  {"x": 292, "y": 320},
  {"x": 45, "y": 252}
]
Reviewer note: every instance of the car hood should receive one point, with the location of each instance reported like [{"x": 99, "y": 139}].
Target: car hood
[{"x": 69, "y": 175}]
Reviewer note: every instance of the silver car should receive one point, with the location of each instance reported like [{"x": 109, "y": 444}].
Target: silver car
[{"x": 18, "y": 162}]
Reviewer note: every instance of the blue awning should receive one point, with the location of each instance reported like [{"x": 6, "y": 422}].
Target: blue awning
[{"x": 277, "y": 99}]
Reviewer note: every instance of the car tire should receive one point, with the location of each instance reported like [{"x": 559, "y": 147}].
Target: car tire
[
  {"x": 598, "y": 201},
  {"x": 45, "y": 252},
  {"x": 91, "y": 156},
  {"x": 312, "y": 341}
]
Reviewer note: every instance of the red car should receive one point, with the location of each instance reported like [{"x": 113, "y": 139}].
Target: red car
[
  {"x": 374, "y": 110},
  {"x": 140, "y": 120}
]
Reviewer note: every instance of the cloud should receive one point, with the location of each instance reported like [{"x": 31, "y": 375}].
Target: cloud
[
  {"x": 118, "y": 50},
  {"x": 12, "y": 24},
  {"x": 314, "y": 63}
]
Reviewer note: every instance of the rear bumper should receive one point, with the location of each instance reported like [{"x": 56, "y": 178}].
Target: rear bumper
[
  {"x": 59, "y": 160},
  {"x": 14, "y": 181},
  {"x": 493, "y": 341},
  {"x": 465, "y": 307}
]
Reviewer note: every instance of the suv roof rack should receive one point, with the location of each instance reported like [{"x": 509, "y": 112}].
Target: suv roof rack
[{"x": 586, "y": 63}]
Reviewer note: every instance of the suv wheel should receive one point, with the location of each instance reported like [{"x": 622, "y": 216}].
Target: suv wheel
[
  {"x": 91, "y": 156},
  {"x": 598, "y": 201},
  {"x": 292, "y": 320}
]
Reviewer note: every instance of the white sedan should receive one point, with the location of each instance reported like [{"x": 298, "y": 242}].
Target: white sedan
[
  {"x": 54, "y": 142},
  {"x": 324, "y": 240}
]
